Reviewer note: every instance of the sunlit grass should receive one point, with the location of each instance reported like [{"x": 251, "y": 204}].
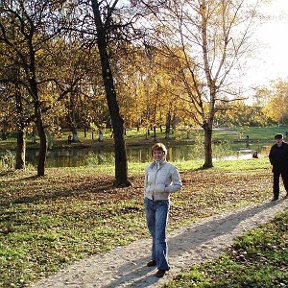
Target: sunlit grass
[
  {"x": 70, "y": 213},
  {"x": 265, "y": 132}
]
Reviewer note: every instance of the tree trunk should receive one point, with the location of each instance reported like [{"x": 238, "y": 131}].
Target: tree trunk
[
  {"x": 21, "y": 144},
  {"x": 20, "y": 150},
  {"x": 154, "y": 133},
  {"x": 4, "y": 133},
  {"x": 208, "y": 145},
  {"x": 101, "y": 136},
  {"x": 50, "y": 139},
  {"x": 73, "y": 122},
  {"x": 173, "y": 120},
  {"x": 146, "y": 135},
  {"x": 43, "y": 141},
  {"x": 40, "y": 128},
  {"x": 168, "y": 124},
  {"x": 74, "y": 134},
  {"x": 121, "y": 167}
]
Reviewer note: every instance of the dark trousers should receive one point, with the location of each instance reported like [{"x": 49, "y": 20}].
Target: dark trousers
[{"x": 284, "y": 176}]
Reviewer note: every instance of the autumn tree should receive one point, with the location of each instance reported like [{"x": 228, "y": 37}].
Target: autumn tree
[
  {"x": 213, "y": 36},
  {"x": 7, "y": 110},
  {"x": 277, "y": 106},
  {"x": 167, "y": 102},
  {"x": 74, "y": 68},
  {"x": 147, "y": 89},
  {"x": 12, "y": 93},
  {"x": 129, "y": 82},
  {"x": 34, "y": 24},
  {"x": 103, "y": 17},
  {"x": 240, "y": 114},
  {"x": 110, "y": 24}
]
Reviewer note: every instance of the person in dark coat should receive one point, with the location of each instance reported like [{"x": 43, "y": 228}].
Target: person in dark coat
[{"x": 279, "y": 159}]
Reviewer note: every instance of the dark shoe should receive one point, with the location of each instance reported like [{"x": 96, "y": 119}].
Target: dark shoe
[
  {"x": 160, "y": 273},
  {"x": 274, "y": 199},
  {"x": 151, "y": 263}
]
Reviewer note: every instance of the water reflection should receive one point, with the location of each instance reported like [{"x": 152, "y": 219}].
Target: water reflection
[{"x": 104, "y": 155}]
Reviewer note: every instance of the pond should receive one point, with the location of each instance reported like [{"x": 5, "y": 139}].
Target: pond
[{"x": 104, "y": 155}]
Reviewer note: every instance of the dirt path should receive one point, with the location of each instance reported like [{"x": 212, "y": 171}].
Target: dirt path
[{"x": 126, "y": 266}]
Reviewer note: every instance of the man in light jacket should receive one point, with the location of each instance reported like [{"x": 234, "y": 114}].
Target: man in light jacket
[{"x": 161, "y": 179}]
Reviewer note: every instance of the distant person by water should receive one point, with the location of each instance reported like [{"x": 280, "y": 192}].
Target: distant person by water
[
  {"x": 255, "y": 155},
  {"x": 279, "y": 159},
  {"x": 247, "y": 141}
]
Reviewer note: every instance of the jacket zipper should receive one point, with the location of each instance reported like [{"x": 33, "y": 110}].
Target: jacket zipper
[{"x": 155, "y": 180}]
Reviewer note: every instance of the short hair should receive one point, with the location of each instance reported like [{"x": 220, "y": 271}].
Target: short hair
[
  {"x": 278, "y": 136},
  {"x": 159, "y": 146}
]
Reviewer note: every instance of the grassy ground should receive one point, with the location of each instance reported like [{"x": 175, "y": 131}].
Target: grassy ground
[
  {"x": 256, "y": 260},
  {"x": 52, "y": 221}
]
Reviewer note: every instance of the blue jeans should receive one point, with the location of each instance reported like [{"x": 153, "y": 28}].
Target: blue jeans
[{"x": 157, "y": 219}]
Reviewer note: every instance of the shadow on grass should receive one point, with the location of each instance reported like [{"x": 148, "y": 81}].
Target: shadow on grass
[
  {"x": 6, "y": 173},
  {"x": 33, "y": 177},
  {"x": 93, "y": 187},
  {"x": 202, "y": 168}
]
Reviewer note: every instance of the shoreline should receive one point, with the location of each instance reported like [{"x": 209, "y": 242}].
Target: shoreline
[{"x": 59, "y": 145}]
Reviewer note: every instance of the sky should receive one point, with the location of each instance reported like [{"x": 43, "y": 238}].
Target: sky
[{"x": 271, "y": 58}]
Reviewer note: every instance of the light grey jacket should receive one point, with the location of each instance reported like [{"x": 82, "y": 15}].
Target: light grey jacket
[{"x": 161, "y": 179}]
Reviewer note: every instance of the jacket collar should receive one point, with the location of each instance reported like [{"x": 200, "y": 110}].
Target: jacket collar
[{"x": 160, "y": 163}]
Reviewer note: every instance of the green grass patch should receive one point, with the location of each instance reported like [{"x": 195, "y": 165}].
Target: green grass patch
[
  {"x": 256, "y": 260},
  {"x": 264, "y": 132}
]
